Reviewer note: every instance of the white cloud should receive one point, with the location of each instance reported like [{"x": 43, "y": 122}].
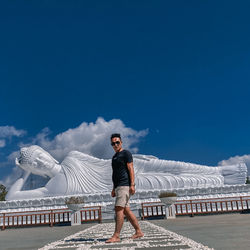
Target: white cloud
[
  {"x": 9, "y": 131},
  {"x": 16, "y": 171},
  {"x": 237, "y": 159},
  {"x": 2, "y": 143},
  {"x": 90, "y": 138},
  {"x": 11, "y": 178}
]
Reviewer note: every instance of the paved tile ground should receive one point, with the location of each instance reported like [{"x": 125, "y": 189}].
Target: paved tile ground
[
  {"x": 221, "y": 232},
  {"x": 155, "y": 238},
  {"x": 31, "y": 238}
]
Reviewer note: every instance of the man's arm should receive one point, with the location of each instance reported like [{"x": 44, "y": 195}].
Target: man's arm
[{"x": 132, "y": 177}]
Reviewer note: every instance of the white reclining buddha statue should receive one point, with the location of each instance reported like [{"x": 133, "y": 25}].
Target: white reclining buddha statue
[{"x": 80, "y": 173}]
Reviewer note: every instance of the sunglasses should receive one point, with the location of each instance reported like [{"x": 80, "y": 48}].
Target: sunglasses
[{"x": 117, "y": 143}]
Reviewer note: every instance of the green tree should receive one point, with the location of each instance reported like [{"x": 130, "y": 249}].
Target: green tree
[
  {"x": 3, "y": 192},
  {"x": 247, "y": 181}
]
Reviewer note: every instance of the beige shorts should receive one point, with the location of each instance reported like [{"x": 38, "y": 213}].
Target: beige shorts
[{"x": 122, "y": 196}]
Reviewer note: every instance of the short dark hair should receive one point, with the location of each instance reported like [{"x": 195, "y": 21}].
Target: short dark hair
[{"x": 115, "y": 135}]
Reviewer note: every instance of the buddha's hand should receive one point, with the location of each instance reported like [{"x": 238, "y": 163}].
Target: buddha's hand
[
  {"x": 27, "y": 167},
  {"x": 17, "y": 163},
  {"x": 41, "y": 162}
]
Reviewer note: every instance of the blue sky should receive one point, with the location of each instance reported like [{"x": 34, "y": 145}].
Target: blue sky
[{"x": 178, "y": 69}]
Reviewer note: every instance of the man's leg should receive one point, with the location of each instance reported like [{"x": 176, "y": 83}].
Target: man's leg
[
  {"x": 132, "y": 219},
  {"x": 119, "y": 211}
]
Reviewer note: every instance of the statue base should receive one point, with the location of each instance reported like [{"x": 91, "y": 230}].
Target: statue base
[
  {"x": 76, "y": 218},
  {"x": 107, "y": 202},
  {"x": 170, "y": 212}
]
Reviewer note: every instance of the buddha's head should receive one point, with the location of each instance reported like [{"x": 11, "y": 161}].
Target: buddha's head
[{"x": 37, "y": 161}]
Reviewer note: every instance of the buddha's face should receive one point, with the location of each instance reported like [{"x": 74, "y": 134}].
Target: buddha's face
[{"x": 37, "y": 161}]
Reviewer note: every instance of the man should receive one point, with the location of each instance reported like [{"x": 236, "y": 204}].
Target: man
[{"x": 123, "y": 186}]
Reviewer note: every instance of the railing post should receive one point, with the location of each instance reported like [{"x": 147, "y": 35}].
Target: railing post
[
  {"x": 142, "y": 211},
  {"x": 51, "y": 218},
  {"x": 241, "y": 203},
  {"x": 226, "y": 206},
  {"x": 175, "y": 205},
  {"x": 191, "y": 206},
  {"x": 100, "y": 214},
  {"x": 216, "y": 206},
  {"x": 3, "y": 227}
]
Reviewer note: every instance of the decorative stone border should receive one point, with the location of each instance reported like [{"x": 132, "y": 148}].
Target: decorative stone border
[
  {"x": 95, "y": 236},
  {"x": 105, "y": 199}
]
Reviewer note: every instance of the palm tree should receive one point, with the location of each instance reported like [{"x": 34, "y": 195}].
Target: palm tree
[
  {"x": 247, "y": 181},
  {"x": 3, "y": 192}
]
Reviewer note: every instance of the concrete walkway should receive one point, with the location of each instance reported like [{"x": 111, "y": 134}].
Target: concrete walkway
[
  {"x": 231, "y": 231},
  {"x": 225, "y": 231},
  {"x": 36, "y": 237}
]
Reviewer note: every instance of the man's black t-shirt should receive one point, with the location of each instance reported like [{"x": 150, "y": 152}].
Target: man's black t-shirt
[{"x": 120, "y": 175}]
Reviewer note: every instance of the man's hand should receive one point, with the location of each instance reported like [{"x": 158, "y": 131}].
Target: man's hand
[
  {"x": 113, "y": 193},
  {"x": 132, "y": 190}
]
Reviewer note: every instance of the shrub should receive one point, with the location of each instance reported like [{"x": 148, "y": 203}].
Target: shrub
[
  {"x": 74, "y": 200},
  {"x": 167, "y": 194}
]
